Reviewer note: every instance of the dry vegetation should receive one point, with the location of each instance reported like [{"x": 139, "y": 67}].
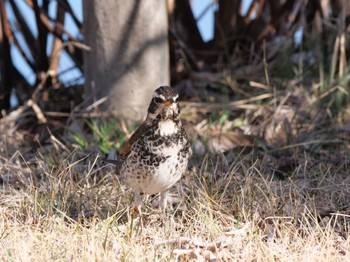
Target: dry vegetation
[
  {"x": 270, "y": 128},
  {"x": 58, "y": 204}
]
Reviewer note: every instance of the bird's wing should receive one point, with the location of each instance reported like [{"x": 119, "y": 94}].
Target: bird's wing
[
  {"x": 187, "y": 147},
  {"x": 125, "y": 149}
]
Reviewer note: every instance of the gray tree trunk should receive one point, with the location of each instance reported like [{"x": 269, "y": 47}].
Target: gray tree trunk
[{"x": 129, "y": 55}]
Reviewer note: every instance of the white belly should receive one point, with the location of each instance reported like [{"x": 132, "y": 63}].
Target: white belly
[
  {"x": 165, "y": 176},
  {"x": 158, "y": 179}
]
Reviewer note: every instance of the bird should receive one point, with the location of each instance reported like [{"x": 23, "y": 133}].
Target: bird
[{"x": 157, "y": 154}]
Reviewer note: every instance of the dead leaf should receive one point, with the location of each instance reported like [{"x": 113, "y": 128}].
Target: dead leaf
[{"x": 223, "y": 142}]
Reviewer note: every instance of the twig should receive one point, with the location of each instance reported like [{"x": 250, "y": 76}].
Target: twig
[
  {"x": 266, "y": 70},
  {"x": 333, "y": 141},
  {"x": 56, "y": 142},
  {"x": 206, "y": 9},
  {"x": 32, "y": 102},
  {"x": 241, "y": 104},
  {"x": 97, "y": 103},
  {"x": 39, "y": 114}
]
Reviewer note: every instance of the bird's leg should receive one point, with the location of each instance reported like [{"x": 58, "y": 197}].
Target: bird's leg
[
  {"x": 136, "y": 212},
  {"x": 137, "y": 204},
  {"x": 163, "y": 201}
]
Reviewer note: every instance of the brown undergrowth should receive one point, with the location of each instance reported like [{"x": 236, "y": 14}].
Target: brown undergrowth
[
  {"x": 269, "y": 180},
  {"x": 269, "y": 123},
  {"x": 61, "y": 204}
]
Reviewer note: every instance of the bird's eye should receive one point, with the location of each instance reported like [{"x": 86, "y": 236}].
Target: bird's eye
[{"x": 158, "y": 100}]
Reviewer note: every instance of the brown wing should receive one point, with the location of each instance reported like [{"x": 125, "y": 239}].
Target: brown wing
[
  {"x": 187, "y": 147},
  {"x": 125, "y": 149}
]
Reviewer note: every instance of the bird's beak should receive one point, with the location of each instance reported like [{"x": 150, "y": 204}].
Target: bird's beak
[{"x": 168, "y": 102}]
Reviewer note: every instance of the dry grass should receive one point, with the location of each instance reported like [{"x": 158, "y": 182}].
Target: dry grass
[
  {"x": 286, "y": 199},
  {"x": 65, "y": 207}
]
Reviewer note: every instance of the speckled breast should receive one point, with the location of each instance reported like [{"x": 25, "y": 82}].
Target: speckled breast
[{"x": 156, "y": 162}]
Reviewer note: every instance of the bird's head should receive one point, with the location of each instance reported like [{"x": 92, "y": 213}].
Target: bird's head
[{"x": 164, "y": 105}]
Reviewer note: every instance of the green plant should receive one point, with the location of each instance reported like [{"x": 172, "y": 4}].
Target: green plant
[{"x": 106, "y": 135}]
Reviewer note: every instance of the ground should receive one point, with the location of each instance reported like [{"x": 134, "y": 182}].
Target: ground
[{"x": 250, "y": 193}]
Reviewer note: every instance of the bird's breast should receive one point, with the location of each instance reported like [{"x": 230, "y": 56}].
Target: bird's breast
[{"x": 167, "y": 127}]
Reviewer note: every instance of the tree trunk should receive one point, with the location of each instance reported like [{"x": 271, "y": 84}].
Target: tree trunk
[{"x": 129, "y": 55}]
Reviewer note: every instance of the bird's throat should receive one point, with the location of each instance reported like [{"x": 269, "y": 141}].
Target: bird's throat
[{"x": 167, "y": 127}]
